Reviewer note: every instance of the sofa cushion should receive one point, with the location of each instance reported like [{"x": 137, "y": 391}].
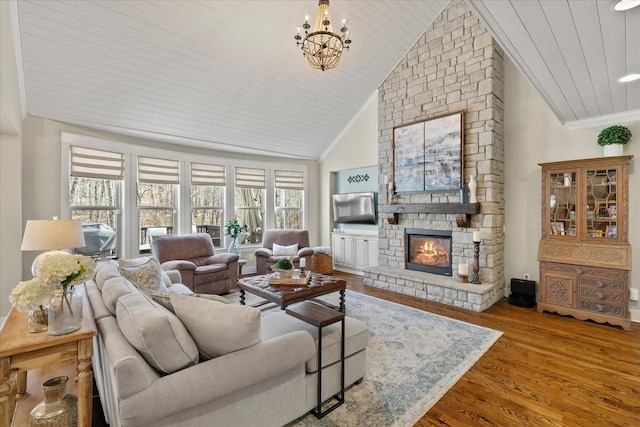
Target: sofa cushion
[
  {"x": 156, "y": 333},
  {"x": 290, "y": 250},
  {"x": 210, "y": 268},
  {"x": 165, "y": 301},
  {"x": 218, "y": 328},
  {"x": 115, "y": 288},
  {"x": 145, "y": 273},
  {"x": 105, "y": 272}
]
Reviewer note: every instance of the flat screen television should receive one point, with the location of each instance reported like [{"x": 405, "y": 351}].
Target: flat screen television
[{"x": 354, "y": 208}]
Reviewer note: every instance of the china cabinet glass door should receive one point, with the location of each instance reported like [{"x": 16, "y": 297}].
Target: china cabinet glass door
[
  {"x": 562, "y": 204},
  {"x": 600, "y": 216}
]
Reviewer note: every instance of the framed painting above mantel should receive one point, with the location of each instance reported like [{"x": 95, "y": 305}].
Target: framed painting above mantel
[{"x": 428, "y": 154}]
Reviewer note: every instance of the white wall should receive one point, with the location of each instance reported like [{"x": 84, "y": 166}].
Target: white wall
[
  {"x": 10, "y": 164},
  {"x": 532, "y": 135},
  {"x": 356, "y": 147}
]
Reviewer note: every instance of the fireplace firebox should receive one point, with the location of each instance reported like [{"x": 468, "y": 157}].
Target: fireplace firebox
[{"x": 428, "y": 251}]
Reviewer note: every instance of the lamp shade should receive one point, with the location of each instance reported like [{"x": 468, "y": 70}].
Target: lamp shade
[{"x": 42, "y": 235}]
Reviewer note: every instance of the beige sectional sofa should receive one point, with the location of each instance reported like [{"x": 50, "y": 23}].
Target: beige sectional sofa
[{"x": 149, "y": 370}]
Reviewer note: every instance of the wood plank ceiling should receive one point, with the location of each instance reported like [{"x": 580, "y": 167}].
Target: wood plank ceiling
[
  {"x": 227, "y": 75},
  {"x": 572, "y": 51}
]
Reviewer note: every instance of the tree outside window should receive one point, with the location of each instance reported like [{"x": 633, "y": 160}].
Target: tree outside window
[
  {"x": 249, "y": 202},
  {"x": 289, "y": 186},
  {"x": 95, "y": 185},
  {"x": 207, "y": 200},
  {"x": 156, "y": 199}
]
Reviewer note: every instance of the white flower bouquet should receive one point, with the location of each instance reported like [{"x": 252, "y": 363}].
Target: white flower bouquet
[
  {"x": 31, "y": 295},
  {"x": 66, "y": 270}
]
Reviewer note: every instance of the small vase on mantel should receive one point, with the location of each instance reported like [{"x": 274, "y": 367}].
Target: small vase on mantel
[{"x": 472, "y": 189}]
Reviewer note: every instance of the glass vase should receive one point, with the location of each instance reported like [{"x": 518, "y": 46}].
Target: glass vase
[
  {"x": 54, "y": 410},
  {"x": 65, "y": 312},
  {"x": 234, "y": 247},
  {"x": 38, "y": 319}
]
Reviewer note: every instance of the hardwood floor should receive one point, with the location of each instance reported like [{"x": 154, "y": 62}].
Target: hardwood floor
[{"x": 545, "y": 370}]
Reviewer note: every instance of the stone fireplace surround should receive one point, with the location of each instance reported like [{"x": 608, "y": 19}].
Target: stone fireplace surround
[{"x": 454, "y": 66}]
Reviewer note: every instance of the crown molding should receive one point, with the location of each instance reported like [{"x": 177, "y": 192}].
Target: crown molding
[{"x": 609, "y": 119}]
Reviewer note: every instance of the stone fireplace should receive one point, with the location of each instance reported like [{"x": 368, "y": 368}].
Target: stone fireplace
[
  {"x": 428, "y": 251},
  {"x": 455, "y": 66}
]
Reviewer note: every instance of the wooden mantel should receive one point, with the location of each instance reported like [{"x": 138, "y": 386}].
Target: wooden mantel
[{"x": 463, "y": 211}]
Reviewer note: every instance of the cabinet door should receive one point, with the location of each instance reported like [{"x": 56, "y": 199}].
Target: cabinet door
[
  {"x": 600, "y": 218},
  {"x": 558, "y": 288},
  {"x": 360, "y": 256},
  {"x": 349, "y": 255},
  {"x": 338, "y": 249},
  {"x": 342, "y": 250},
  {"x": 562, "y": 196}
]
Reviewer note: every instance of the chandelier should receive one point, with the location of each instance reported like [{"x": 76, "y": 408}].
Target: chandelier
[{"x": 323, "y": 48}]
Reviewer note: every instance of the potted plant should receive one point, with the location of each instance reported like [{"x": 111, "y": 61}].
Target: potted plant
[
  {"x": 284, "y": 268},
  {"x": 613, "y": 138},
  {"x": 233, "y": 229}
]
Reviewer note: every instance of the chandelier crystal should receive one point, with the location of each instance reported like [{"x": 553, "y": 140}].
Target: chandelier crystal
[{"x": 323, "y": 48}]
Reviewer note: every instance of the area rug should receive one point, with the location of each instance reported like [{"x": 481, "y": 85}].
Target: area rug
[{"x": 413, "y": 358}]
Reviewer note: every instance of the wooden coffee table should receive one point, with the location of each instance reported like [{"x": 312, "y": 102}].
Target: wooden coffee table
[{"x": 286, "y": 295}]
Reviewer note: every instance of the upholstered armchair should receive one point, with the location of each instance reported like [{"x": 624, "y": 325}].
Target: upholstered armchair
[
  {"x": 277, "y": 244},
  {"x": 200, "y": 268}
]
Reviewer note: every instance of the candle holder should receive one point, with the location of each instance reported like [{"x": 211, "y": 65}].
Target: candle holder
[
  {"x": 463, "y": 278},
  {"x": 476, "y": 263}
]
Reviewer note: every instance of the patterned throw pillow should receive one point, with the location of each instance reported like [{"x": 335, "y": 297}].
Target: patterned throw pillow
[{"x": 145, "y": 274}]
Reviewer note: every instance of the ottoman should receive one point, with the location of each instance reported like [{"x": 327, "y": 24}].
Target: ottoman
[{"x": 356, "y": 340}]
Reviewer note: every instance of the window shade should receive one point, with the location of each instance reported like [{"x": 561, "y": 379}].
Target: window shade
[
  {"x": 90, "y": 163},
  {"x": 202, "y": 174},
  {"x": 289, "y": 180},
  {"x": 158, "y": 171},
  {"x": 250, "y": 178}
]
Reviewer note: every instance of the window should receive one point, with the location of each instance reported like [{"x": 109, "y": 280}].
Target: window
[
  {"x": 95, "y": 186},
  {"x": 156, "y": 198},
  {"x": 289, "y": 186},
  {"x": 249, "y": 195},
  {"x": 207, "y": 195}
]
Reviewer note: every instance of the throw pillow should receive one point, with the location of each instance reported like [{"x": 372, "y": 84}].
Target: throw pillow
[
  {"x": 290, "y": 250},
  {"x": 145, "y": 273},
  {"x": 156, "y": 333},
  {"x": 218, "y": 328}
]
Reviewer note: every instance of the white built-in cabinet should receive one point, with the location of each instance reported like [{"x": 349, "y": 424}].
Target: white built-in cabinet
[{"x": 353, "y": 252}]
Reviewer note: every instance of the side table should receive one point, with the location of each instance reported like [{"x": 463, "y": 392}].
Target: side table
[
  {"x": 320, "y": 316},
  {"x": 241, "y": 263},
  {"x": 21, "y": 351}
]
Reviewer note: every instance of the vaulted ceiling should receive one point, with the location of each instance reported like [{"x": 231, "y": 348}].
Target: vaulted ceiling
[{"x": 227, "y": 75}]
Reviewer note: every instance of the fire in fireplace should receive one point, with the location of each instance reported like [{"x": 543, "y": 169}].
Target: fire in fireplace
[{"x": 428, "y": 251}]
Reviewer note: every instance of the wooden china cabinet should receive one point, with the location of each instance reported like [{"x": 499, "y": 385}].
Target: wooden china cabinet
[{"x": 584, "y": 253}]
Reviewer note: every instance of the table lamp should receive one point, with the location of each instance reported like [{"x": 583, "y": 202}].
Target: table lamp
[{"x": 51, "y": 235}]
